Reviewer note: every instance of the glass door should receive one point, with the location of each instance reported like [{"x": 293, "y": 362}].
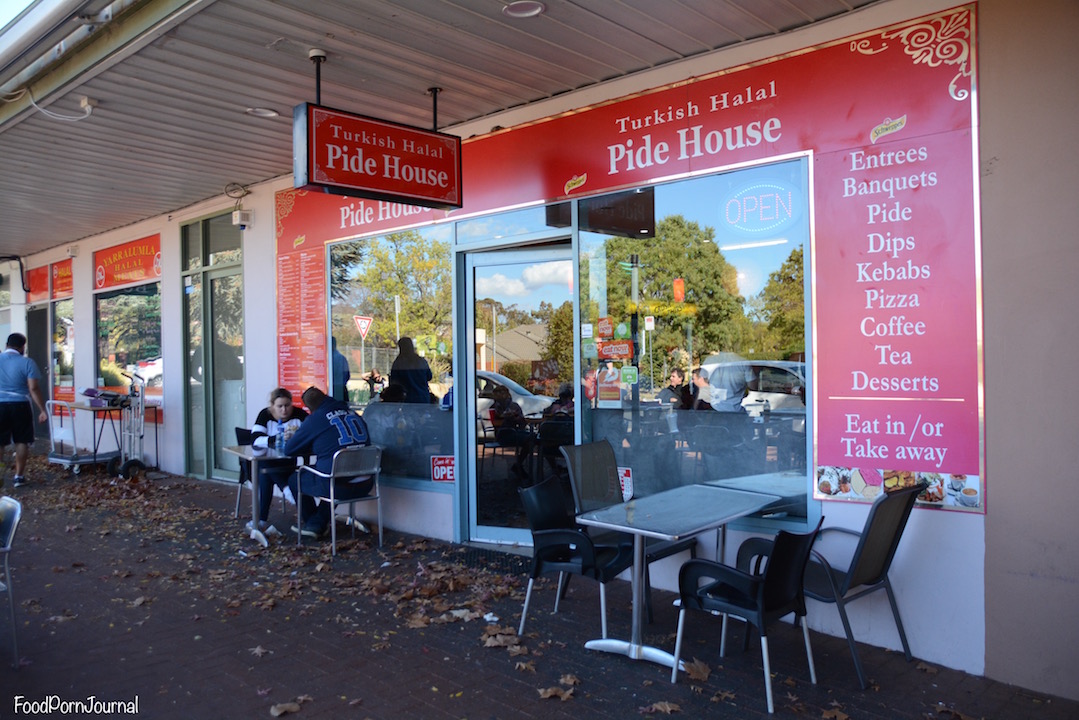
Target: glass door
[
  {"x": 215, "y": 371},
  {"x": 520, "y": 324}
]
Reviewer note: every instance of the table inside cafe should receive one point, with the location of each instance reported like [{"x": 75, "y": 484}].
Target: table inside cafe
[{"x": 673, "y": 514}]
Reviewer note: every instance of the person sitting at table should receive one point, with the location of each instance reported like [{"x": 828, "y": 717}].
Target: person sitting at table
[
  {"x": 564, "y": 404},
  {"x": 676, "y": 395},
  {"x": 280, "y": 419},
  {"x": 510, "y": 428},
  {"x": 375, "y": 382},
  {"x": 331, "y": 426}
]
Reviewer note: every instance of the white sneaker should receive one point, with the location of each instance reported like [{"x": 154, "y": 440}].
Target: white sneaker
[{"x": 264, "y": 527}]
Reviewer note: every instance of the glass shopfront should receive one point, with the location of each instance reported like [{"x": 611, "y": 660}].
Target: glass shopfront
[{"x": 693, "y": 303}]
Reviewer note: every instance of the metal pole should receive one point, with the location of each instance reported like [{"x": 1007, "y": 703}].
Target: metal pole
[
  {"x": 397, "y": 314},
  {"x": 434, "y": 91},
  {"x": 318, "y": 57},
  {"x": 494, "y": 340}
]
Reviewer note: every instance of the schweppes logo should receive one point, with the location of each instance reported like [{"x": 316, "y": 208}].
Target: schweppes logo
[{"x": 887, "y": 127}]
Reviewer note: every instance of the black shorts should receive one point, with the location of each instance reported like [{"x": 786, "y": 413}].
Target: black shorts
[{"x": 16, "y": 423}]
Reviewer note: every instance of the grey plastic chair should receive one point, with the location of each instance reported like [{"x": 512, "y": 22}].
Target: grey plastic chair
[
  {"x": 347, "y": 487},
  {"x": 10, "y": 513},
  {"x": 593, "y": 479},
  {"x": 867, "y": 571}
]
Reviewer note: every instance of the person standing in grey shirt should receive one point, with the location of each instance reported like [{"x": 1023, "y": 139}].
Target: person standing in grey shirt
[{"x": 19, "y": 384}]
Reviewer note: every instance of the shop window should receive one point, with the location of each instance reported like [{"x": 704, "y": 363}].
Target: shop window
[
  {"x": 5, "y": 304},
  {"x": 128, "y": 336},
  {"x": 699, "y": 278},
  {"x": 403, "y": 283},
  {"x": 63, "y": 350}
]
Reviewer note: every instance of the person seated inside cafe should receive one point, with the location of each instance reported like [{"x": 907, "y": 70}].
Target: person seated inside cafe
[
  {"x": 511, "y": 430},
  {"x": 564, "y": 404},
  {"x": 556, "y": 429},
  {"x": 331, "y": 426},
  {"x": 274, "y": 425}
]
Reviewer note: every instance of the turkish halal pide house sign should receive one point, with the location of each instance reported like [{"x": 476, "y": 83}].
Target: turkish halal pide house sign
[{"x": 348, "y": 154}]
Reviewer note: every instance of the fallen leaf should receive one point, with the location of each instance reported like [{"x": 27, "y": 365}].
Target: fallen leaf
[
  {"x": 517, "y": 650},
  {"x": 926, "y": 668},
  {"x": 723, "y": 695},
  {"x": 528, "y": 666},
  {"x": 569, "y": 679},
  {"x": 698, "y": 670},
  {"x": 663, "y": 707},
  {"x": 556, "y": 692},
  {"x": 951, "y": 713},
  {"x": 259, "y": 651},
  {"x": 284, "y": 709},
  {"x": 835, "y": 715}
]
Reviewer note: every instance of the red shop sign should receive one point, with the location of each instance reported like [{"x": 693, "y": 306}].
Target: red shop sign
[
  {"x": 128, "y": 263},
  {"x": 359, "y": 156}
]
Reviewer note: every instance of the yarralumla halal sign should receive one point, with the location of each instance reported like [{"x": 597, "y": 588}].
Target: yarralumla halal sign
[{"x": 353, "y": 155}]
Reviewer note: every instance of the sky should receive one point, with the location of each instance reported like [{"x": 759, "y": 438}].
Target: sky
[{"x": 10, "y": 8}]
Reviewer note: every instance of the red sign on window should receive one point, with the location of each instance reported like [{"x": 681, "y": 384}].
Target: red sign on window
[
  {"x": 127, "y": 263},
  {"x": 442, "y": 469}
]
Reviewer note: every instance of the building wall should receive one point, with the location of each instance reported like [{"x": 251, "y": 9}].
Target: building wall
[{"x": 1029, "y": 173}]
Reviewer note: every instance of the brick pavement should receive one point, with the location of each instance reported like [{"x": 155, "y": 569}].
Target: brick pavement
[{"x": 150, "y": 589}]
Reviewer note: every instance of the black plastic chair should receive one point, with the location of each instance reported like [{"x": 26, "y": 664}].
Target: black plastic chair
[
  {"x": 353, "y": 478},
  {"x": 593, "y": 478},
  {"x": 10, "y": 512},
  {"x": 760, "y": 599},
  {"x": 868, "y": 568},
  {"x": 559, "y": 545}
]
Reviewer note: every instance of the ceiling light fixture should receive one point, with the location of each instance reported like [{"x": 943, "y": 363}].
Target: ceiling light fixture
[
  {"x": 262, "y": 112},
  {"x": 524, "y": 9}
]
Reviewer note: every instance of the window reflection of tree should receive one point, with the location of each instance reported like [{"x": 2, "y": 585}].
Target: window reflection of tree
[{"x": 128, "y": 328}]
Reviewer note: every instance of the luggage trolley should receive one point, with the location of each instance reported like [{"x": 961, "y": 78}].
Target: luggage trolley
[{"x": 132, "y": 429}]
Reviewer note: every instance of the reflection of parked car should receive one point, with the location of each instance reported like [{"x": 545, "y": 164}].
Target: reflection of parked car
[
  {"x": 781, "y": 384},
  {"x": 150, "y": 371},
  {"x": 486, "y": 382}
]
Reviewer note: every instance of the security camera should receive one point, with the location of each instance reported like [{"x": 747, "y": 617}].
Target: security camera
[{"x": 242, "y": 218}]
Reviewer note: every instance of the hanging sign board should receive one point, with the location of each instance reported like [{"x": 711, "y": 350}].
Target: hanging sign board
[{"x": 353, "y": 155}]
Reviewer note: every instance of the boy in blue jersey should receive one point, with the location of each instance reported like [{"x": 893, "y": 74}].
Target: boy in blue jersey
[{"x": 330, "y": 427}]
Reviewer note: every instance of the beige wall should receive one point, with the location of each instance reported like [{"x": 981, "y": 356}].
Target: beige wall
[{"x": 1029, "y": 56}]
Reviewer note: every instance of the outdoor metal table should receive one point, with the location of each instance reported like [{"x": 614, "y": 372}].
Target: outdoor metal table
[
  {"x": 790, "y": 486},
  {"x": 255, "y": 456},
  {"x": 669, "y": 515},
  {"x": 106, "y": 413}
]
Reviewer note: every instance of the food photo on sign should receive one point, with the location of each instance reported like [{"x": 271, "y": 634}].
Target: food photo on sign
[{"x": 952, "y": 491}]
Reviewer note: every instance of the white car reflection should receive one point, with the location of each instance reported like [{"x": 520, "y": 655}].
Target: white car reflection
[
  {"x": 781, "y": 384},
  {"x": 486, "y": 381}
]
